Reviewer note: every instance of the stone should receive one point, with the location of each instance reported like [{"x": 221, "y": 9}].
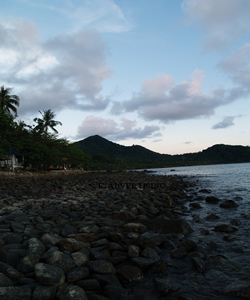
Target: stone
[
  {"x": 165, "y": 285},
  {"x": 80, "y": 257},
  {"x": 150, "y": 239},
  {"x": 89, "y": 284},
  {"x": 150, "y": 253},
  {"x": 188, "y": 246},
  {"x": 135, "y": 227},
  {"x": 72, "y": 292},
  {"x": 101, "y": 266},
  {"x": 77, "y": 273},
  {"x": 170, "y": 226},
  {"x": 5, "y": 281},
  {"x": 15, "y": 293},
  {"x": 44, "y": 293},
  {"x": 198, "y": 264},
  {"x": 72, "y": 245},
  {"x": 49, "y": 275},
  {"x": 107, "y": 279},
  {"x": 212, "y": 199},
  {"x": 225, "y": 228},
  {"x": 50, "y": 239},
  {"x": 130, "y": 273},
  {"x": 10, "y": 271},
  {"x": 142, "y": 262},
  {"x": 133, "y": 251},
  {"x": 229, "y": 204},
  {"x": 60, "y": 260},
  {"x": 116, "y": 292},
  {"x": 159, "y": 266}
]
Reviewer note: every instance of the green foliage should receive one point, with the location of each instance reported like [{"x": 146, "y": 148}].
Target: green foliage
[{"x": 8, "y": 102}]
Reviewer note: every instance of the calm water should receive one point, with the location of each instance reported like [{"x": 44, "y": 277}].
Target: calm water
[{"x": 227, "y": 254}]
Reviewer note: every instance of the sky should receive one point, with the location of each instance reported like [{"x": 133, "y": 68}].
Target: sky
[{"x": 170, "y": 75}]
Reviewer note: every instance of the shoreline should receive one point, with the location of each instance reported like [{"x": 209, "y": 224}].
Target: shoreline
[{"x": 101, "y": 243}]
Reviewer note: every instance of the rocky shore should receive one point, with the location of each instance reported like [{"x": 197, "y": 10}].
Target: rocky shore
[{"x": 99, "y": 236}]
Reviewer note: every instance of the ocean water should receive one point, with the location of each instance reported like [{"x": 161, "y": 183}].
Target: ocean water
[{"x": 226, "y": 255}]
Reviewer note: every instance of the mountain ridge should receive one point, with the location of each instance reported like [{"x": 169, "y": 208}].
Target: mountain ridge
[{"x": 113, "y": 155}]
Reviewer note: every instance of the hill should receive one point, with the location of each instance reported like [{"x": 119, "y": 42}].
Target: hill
[{"x": 109, "y": 155}]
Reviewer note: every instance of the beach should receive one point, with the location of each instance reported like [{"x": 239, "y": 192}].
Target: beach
[{"x": 102, "y": 235}]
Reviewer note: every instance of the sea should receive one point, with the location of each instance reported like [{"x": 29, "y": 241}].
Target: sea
[{"x": 226, "y": 273}]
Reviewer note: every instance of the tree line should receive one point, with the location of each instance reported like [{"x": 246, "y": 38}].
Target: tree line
[{"x": 39, "y": 143}]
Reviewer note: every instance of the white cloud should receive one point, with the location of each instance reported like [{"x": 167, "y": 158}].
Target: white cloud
[
  {"x": 108, "y": 128},
  {"x": 226, "y": 122},
  {"x": 65, "y": 72},
  {"x": 176, "y": 102},
  {"x": 225, "y": 20}
]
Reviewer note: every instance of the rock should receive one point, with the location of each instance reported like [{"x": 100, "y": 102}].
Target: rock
[
  {"x": 80, "y": 257},
  {"x": 130, "y": 273},
  {"x": 205, "y": 191},
  {"x": 212, "y": 199},
  {"x": 89, "y": 284},
  {"x": 159, "y": 266},
  {"x": 188, "y": 246},
  {"x": 72, "y": 292},
  {"x": 116, "y": 292},
  {"x": 102, "y": 267},
  {"x": 198, "y": 264},
  {"x": 178, "y": 253},
  {"x": 170, "y": 226},
  {"x": 77, "y": 273},
  {"x": 49, "y": 275},
  {"x": 15, "y": 293},
  {"x": 240, "y": 288},
  {"x": 107, "y": 279},
  {"x": 50, "y": 239},
  {"x": 133, "y": 251},
  {"x": 10, "y": 272},
  {"x": 44, "y": 293},
  {"x": 72, "y": 245},
  {"x": 135, "y": 227},
  {"x": 142, "y": 262},
  {"x": 150, "y": 253},
  {"x": 225, "y": 228},
  {"x": 229, "y": 204},
  {"x": 60, "y": 260},
  {"x": 5, "y": 281},
  {"x": 165, "y": 285},
  {"x": 150, "y": 239}
]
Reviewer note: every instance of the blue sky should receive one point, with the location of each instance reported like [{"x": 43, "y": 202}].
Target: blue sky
[{"x": 172, "y": 76}]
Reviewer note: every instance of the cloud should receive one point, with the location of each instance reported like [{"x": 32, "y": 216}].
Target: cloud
[
  {"x": 171, "y": 102},
  {"x": 225, "y": 21},
  {"x": 64, "y": 72},
  {"x": 108, "y": 128},
  {"x": 226, "y": 122},
  {"x": 237, "y": 66}
]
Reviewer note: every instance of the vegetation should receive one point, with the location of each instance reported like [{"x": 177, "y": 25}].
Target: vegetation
[
  {"x": 108, "y": 155},
  {"x": 40, "y": 148}
]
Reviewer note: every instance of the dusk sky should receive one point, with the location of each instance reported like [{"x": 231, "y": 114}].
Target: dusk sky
[{"x": 170, "y": 75}]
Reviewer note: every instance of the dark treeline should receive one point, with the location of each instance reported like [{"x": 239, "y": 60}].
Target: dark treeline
[{"x": 108, "y": 155}]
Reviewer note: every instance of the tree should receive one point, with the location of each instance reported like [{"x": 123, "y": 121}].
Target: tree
[
  {"x": 47, "y": 121},
  {"x": 8, "y": 102}
]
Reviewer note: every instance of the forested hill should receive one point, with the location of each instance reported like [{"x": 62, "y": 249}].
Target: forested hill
[{"x": 109, "y": 155}]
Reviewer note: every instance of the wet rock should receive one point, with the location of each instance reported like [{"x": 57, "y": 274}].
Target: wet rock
[
  {"x": 159, "y": 266},
  {"x": 205, "y": 191},
  {"x": 164, "y": 285},
  {"x": 229, "y": 204},
  {"x": 50, "y": 239},
  {"x": 178, "y": 253},
  {"x": 49, "y": 275},
  {"x": 225, "y": 228},
  {"x": 150, "y": 239},
  {"x": 212, "y": 199},
  {"x": 116, "y": 292},
  {"x": 198, "y": 264},
  {"x": 239, "y": 289},
  {"x": 188, "y": 246},
  {"x": 80, "y": 257},
  {"x": 142, "y": 262},
  {"x": 170, "y": 226},
  {"x": 150, "y": 253},
  {"x": 89, "y": 284},
  {"x": 135, "y": 227}
]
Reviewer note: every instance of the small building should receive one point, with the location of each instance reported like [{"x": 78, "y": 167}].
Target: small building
[{"x": 12, "y": 160}]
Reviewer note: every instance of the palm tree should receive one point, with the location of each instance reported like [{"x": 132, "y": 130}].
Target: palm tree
[
  {"x": 8, "y": 102},
  {"x": 47, "y": 121}
]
